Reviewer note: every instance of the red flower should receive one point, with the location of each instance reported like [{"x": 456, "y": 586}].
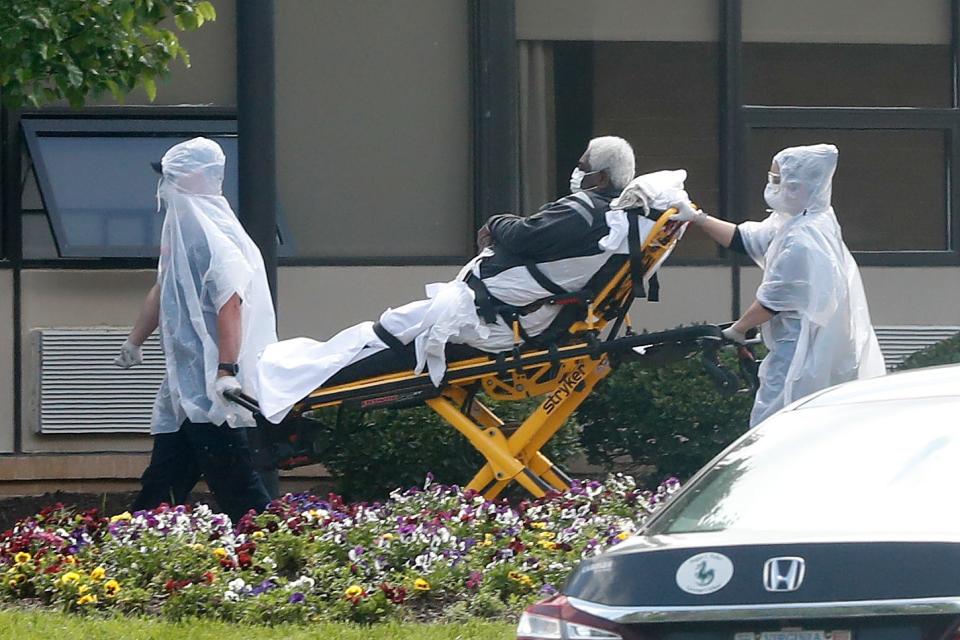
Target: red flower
[
  {"x": 227, "y": 563},
  {"x": 209, "y": 578},
  {"x": 170, "y": 585},
  {"x": 244, "y": 560}
]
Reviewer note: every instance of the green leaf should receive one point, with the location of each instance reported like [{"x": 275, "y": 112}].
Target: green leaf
[
  {"x": 150, "y": 85},
  {"x": 207, "y": 10}
]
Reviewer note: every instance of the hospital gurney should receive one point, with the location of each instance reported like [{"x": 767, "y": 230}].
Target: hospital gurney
[{"x": 563, "y": 369}]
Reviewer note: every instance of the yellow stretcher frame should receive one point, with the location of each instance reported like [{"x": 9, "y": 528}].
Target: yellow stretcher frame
[{"x": 564, "y": 375}]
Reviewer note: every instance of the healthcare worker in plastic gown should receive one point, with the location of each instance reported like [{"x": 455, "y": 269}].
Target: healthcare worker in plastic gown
[
  {"x": 810, "y": 306},
  {"x": 213, "y": 306}
]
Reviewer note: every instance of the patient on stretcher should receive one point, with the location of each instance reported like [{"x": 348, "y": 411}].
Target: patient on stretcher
[{"x": 523, "y": 261}]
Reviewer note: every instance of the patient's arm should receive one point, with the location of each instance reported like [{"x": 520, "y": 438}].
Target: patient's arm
[{"x": 536, "y": 236}]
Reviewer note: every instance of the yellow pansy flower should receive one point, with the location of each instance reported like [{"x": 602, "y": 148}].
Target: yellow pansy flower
[
  {"x": 111, "y": 588},
  {"x": 354, "y": 591},
  {"x": 258, "y": 534},
  {"x": 87, "y": 599},
  {"x": 623, "y": 535},
  {"x": 70, "y": 560},
  {"x": 125, "y": 516},
  {"x": 538, "y": 525},
  {"x": 22, "y": 558},
  {"x": 220, "y": 552},
  {"x": 421, "y": 585},
  {"x": 70, "y": 577},
  {"x": 98, "y": 574}
]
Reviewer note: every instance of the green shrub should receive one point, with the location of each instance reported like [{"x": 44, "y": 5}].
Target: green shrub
[
  {"x": 668, "y": 418},
  {"x": 944, "y": 352}
]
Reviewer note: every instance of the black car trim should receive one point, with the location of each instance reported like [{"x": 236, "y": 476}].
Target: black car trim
[{"x": 792, "y": 611}]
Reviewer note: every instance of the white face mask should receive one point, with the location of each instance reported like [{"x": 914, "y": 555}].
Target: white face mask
[
  {"x": 576, "y": 179},
  {"x": 780, "y": 199}
]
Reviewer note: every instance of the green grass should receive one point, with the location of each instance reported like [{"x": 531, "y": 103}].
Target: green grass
[{"x": 23, "y": 625}]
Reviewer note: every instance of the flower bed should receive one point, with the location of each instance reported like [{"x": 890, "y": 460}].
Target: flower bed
[{"x": 432, "y": 553}]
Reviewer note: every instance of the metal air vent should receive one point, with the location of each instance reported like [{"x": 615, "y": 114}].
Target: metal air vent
[
  {"x": 898, "y": 342},
  {"x": 81, "y": 391}
]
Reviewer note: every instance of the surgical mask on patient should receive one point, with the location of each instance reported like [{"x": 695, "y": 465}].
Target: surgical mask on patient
[{"x": 576, "y": 179}]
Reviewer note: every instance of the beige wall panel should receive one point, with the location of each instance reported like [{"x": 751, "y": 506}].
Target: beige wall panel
[
  {"x": 6, "y": 357},
  {"x": 75, "y": 299},
  {"x": 211, "y": 77},
  {"x": 688, "y": 295},
  {"x": 373, "y": 127},
  {"x": 896, "y": 295},
  {"x": 319, "y": 301},
  {"x": 662, "y": 20},
  {"x": 854, "y": 21}
]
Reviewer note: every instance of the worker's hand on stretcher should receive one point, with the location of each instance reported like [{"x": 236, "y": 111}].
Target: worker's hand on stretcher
[
  {"x": 733, "y": 335},
  {"x": 130, "y": 355},
  {"x": 226, "y": 383},
  {"x": 686, "y": 212}
]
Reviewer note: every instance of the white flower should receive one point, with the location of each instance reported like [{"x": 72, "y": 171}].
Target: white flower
[
  {"x": 237, "y": 584},
  {"x": 230, "y": 596}
]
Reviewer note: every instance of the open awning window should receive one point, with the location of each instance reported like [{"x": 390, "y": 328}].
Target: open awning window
[{"x": 97, "y": 185}]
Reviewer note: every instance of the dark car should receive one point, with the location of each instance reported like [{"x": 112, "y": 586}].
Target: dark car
[{"x": 836, "y": 519}]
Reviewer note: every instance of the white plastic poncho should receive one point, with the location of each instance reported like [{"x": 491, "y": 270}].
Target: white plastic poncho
[
  {"x": 821, "y": 335},
  {"x": 205, "y": 258},
  {"x": 291, "y": 369}
]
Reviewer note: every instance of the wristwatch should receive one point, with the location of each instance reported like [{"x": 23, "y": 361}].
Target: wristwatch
[{"x": 229, "y": 367}]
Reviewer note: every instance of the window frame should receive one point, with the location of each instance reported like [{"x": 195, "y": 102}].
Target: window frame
[
  {"x": 742, "y": 118},
  {"x": 139, "y": 123}
]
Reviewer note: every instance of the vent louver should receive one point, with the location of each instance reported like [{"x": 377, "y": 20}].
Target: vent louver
[{"x": 81, "y": 391}]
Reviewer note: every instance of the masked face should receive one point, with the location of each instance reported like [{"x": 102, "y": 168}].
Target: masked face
[{"x": 576, "y": 179}]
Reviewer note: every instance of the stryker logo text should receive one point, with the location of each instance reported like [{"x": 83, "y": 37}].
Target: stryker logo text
[{"x": 568, "y": 383}]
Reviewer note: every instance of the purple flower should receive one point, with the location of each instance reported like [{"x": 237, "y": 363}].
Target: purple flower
[
  {"x": 548, "y": 590},
  {"x": 296, "y": 598}
]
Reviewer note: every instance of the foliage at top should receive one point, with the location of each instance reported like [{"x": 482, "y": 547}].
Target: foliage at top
[{"x": 52, "y": 50}]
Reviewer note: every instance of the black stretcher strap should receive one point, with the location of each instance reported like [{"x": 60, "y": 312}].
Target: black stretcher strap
[
  {"x": 388, "y": 338},
  {"x": 543, "y": 280}
]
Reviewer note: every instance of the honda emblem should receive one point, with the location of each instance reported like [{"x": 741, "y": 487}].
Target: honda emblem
[{"x": 783, "y": 574}]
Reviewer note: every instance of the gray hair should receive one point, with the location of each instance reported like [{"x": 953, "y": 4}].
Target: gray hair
[{"x": 613, "y": 155}]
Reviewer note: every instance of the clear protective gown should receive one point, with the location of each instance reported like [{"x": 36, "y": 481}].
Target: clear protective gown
[
  {"x": 205, "y": 258},
  {"x": 821, "y": 335}
]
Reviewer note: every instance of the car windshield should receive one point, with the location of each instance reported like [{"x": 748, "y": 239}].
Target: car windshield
[{"x": 880, "y": 467}]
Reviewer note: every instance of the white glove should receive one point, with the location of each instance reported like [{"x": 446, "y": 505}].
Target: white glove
[
  {"x": 130, "y": 355},
  {"x": 686, "y": 212},
  {"x": 226, "y": 383},
  {"x": 733, "y": 335}
]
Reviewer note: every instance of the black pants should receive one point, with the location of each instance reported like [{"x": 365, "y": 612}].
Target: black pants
[{"x": 218, "y": 453}]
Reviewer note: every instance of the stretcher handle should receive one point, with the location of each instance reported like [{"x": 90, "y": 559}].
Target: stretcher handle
[{"x": 242, "y": 399}]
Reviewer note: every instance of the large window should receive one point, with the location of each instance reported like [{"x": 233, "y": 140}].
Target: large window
[
  {"x": 718, "y": 88},
  {"x": 890, "y": 189},
  {"x": 91, "y": 192},
  {"x": 646, "y": 71},
  {"x": 879, "y": 83}
]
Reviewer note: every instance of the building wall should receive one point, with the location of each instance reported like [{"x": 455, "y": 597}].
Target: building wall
[
  {"x": 373, "y": 128},
  {"x": 58, "y": 298}
]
